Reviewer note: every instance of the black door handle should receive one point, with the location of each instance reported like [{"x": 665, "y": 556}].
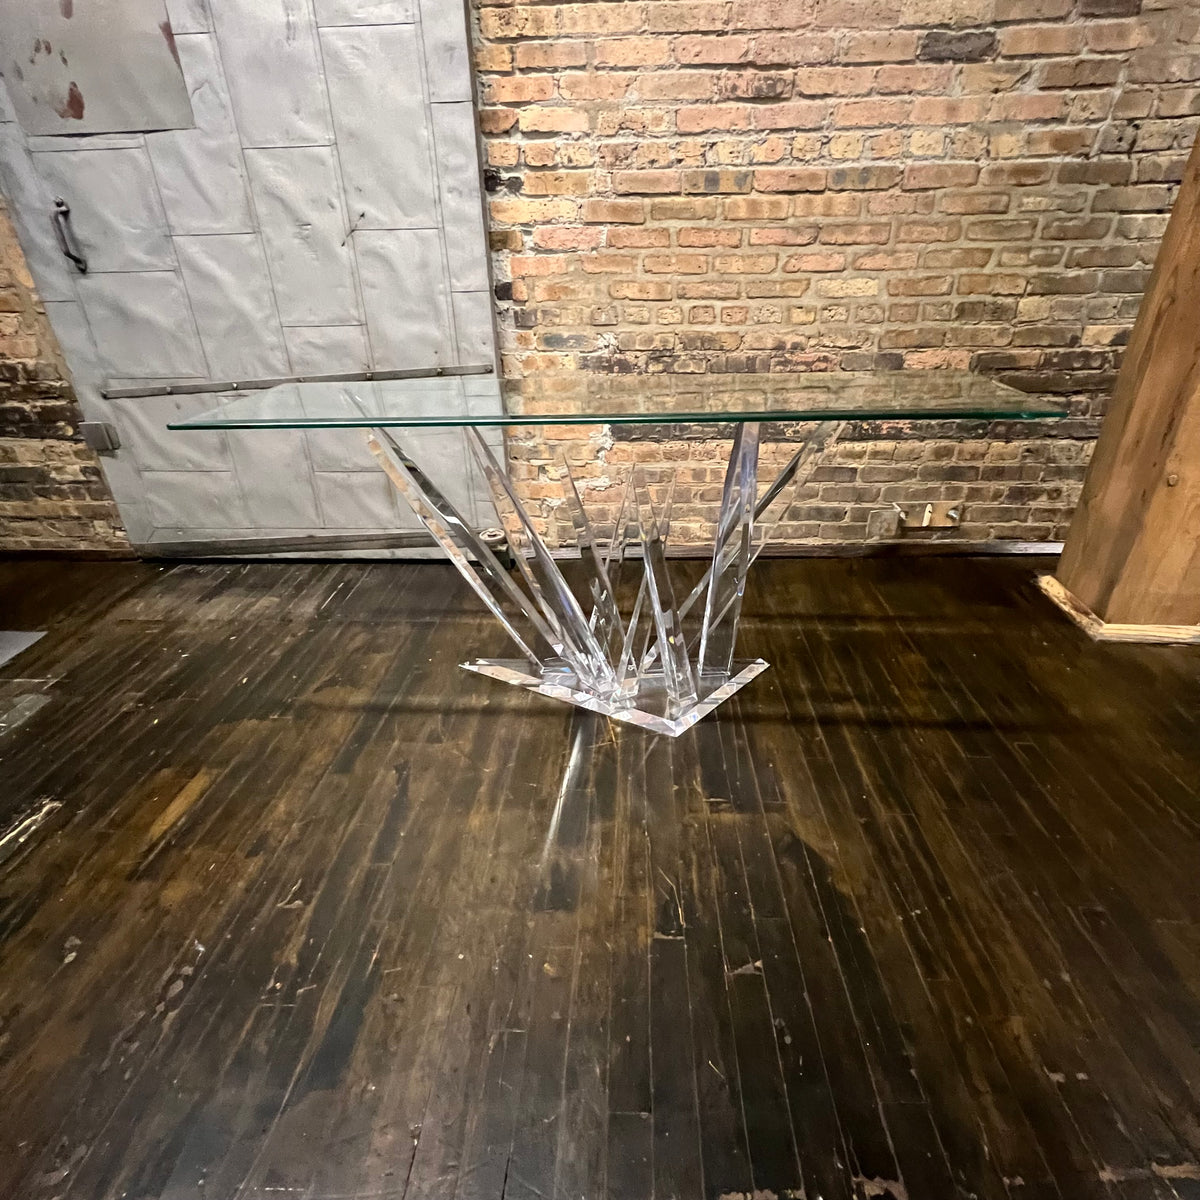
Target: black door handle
[{"x": 60, "y": 218}]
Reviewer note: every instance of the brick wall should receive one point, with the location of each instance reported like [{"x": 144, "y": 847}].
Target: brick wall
[
  {"x": 733, "y": 185},
  {"x": 52, "y": 495}
]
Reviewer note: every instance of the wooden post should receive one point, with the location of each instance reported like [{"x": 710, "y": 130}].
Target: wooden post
[{"x": 1132, "y": 557}]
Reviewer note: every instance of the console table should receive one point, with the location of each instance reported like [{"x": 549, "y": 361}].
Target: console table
[{"x": 667, "y": 660}]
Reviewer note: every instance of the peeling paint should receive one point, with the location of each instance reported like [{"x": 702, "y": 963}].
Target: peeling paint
[{"x": 67, "y": 8}]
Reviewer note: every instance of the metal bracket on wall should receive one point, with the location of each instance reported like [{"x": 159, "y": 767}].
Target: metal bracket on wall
[
  {"x": 253, "y": 385},
  {"x": 100, "y": 436}
]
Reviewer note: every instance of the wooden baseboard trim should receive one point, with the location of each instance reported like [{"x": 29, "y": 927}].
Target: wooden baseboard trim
[{"x": 1104, "y": 631}]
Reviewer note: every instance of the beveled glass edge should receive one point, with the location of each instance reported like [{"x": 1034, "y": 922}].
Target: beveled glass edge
[{"x": 213, "y": 421}]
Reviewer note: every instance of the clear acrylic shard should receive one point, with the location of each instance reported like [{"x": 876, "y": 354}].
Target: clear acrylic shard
[{"x": 637, "y": 667}]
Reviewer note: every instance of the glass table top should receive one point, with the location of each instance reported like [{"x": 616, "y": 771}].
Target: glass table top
[{"x": 577, "y": 398}]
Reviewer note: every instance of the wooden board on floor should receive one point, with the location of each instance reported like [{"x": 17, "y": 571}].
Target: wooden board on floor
[{"x": 1107, "y": 631}]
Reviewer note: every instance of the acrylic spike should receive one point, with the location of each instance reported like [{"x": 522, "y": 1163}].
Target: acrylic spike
[{"x": 643, "y": 668}]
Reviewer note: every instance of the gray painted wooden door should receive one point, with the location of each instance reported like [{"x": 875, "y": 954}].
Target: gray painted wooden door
[{"x": 324, "y": 215}]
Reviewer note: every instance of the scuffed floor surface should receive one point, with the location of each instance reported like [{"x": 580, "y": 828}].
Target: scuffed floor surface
[{"x": 291, "y": 908}]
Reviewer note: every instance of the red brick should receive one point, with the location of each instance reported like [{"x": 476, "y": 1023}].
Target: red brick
[
  {"x": 784, "y": 235},
  {"x": 994, "y": 285},
  {"x": 540, "y": 119},
  {"x": 1016, "y": 174},
  {"x": 834, "y": 81},
  {"x": 646, "y": 182},
  {"x": 870, "y": 46},
  {"x": 702, "y": 118},
  {"x": 923, "y": 77},
  {"x": 600, "y": 18},
  {"x": 640, "y": 289},
  {"x": 768, "y": 14},
  {"x": 920, "y": 285},
  {"x": 713, "y": 51},
  {"x": 797, "y": 114},
  {"x": 567, "y": 237},
  {"x": 608, "y": 264},
  {"x": 549, "y": 54},
  {"x": 861, "y": 179},
  {"x": 680, "y": 208},
  {"x": 675, "y": 264},
  {"x": 707, "y": 235},
  {"x": 596, "y": 85},
  {"x": 949, "y": 110},
  {"x": 712, "y": 182},
  {"x": 678, "y": 85},
  {"x": 884, "y": 260},
  {"x": 919, "y": 176},
  {"x": 862, "y": 113},
  {"x": 497, "y": 120},
  {"x": 557, "y": 183},
  {"x": 983, "y": 230},
  {"x": 530, "y": 212},
  {"x": 792, "y": 49},
  {"x": 518, "y": 89},
  {"x": 755, "y": 85},
  {"x": 1030, "y": 106},
  {"x": 1032, "y": 10},
  {"x": 856, "y": 235},
  {"x": 623, "y": 237},
  {"x": 744, "y": 264},
  {"x": 518, "y": 22},
  {"x": 664, "y": 16},
  {"x": 609, "y": 212},
  {"x": 1041, "y": 40},
  {"x": 757, "y": 208},
  {"x": 790, "y": 179},
  {"x": 929, "y": 231},
  {"x": 631, "y": 52},
  {"x": 815, "y": 262}
]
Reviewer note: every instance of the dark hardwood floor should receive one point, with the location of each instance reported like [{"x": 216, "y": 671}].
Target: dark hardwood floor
[{"x": 291, "y": 908}]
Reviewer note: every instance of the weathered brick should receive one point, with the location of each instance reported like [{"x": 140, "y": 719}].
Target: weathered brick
[
  {"x": 920, "y": 176},
  {"x": 607, "y": 212},
  {"x": 790, "y": 179},
  {"x": 1039, "y": 40},
  {"x": 647, "y": 182},
  {"x": 543, "y": 119},
  {"x": 946, "y": 158},
  {"x": 675, "y": 264},
  {"x": 863, "y": 179},
  {"x": 943, "y": 45},
  {"x": 699, "y": 50},
  {"x": 851, "y": 235},
  {"x": 717, "y": 181}
]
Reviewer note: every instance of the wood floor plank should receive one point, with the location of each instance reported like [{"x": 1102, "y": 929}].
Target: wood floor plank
[{"x": 312, "y": 912}]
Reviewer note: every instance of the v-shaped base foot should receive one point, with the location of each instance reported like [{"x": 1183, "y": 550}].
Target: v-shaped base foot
[{"x": 646, "y": 709}]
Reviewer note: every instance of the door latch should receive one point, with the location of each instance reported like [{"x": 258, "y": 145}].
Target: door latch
[{"x": 61, "y": 220}]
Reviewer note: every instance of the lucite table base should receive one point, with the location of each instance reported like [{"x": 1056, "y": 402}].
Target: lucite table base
[
  {"x": 664, "y": 663},
  {"x": 648, "y": 707}
]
